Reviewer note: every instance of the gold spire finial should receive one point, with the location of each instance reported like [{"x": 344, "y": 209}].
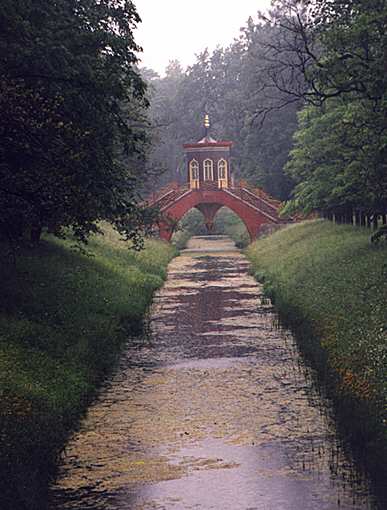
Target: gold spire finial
[{"x": 206, "y": 121}]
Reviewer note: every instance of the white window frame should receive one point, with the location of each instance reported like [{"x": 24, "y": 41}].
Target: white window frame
[
  {"x": 222, "y": 163},
  {"x": 194, "y": 174},
  {"x": 194, "y": 168},
  {"x": 208, "y": 168}
]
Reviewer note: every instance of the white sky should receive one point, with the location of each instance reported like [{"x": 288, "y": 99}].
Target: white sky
[{"x": 179, "y": 29}]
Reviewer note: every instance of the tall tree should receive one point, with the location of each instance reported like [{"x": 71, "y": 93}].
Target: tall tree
[
  {"x": 332, "y": 54},
  {"x": 327, "y": 48},
  {"x": 337, "y": 165},
  {"x": 72, "y": 101}
]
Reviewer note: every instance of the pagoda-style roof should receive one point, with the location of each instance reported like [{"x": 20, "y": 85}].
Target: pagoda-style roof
[{"x": 207, "y": 141}]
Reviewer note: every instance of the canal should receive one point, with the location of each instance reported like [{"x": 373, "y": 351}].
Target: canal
[{"x": 213, "y": 408}]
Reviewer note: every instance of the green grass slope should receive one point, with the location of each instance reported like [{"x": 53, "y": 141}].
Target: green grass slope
[
  {"x": 330, "y": 285},
  {"x": 64, "y": 316}
]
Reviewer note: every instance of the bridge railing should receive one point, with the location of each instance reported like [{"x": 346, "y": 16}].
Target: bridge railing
[
  {"x": 165, "y": 190},
  {"x": 254, "y": 196},
  {"x": 256, "y": 199},
  {"x": 209, "y": 186},
  {"x": 167, "y": 195},
  {"x": 259, "y": 192}
]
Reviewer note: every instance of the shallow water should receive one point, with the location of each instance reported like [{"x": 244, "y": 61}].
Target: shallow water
[{"x": 213, "y": 409}]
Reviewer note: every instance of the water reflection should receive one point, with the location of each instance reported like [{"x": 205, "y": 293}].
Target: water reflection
[{"x": 212, "y": 411}]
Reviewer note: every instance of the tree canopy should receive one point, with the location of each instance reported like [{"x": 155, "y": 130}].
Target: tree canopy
[
  {"x": 70, "y": 106},
  {"x": 333, "y": 56}
]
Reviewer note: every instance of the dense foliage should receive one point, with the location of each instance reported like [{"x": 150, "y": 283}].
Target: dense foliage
[
  {"x": 333, "y": 56},
  {"x": 339, "y": 159},
  {"x": 70, "y": 98}
]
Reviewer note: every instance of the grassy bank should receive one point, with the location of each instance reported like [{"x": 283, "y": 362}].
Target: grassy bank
[
  {"x": 64, "y": 317},
  {"x": 330, "y": 286}
]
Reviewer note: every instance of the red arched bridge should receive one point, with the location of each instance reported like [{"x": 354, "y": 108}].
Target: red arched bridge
[{"x": 253, "y": 206}]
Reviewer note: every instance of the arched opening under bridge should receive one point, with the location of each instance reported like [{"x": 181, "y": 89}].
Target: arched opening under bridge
[{"x": 226, "y": 222}]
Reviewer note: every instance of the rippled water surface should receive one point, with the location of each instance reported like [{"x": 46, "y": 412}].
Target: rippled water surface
[{"x": 212, "y": 410}]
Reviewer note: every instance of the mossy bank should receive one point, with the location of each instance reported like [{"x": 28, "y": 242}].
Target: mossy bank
[
  {"x": 64, "y": 318},
  {"x": 329, "y": 284}
]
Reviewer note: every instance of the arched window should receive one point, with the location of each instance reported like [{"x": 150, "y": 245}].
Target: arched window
[
  {"x": 222, "y": 174},
  {"x": 208, "y": 170},
  {"x": 222, "y": 169},
  {"x": 194, "y": 170}
]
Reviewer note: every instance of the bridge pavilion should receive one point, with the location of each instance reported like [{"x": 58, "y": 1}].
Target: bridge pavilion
[{"x": 208, "y": 162}]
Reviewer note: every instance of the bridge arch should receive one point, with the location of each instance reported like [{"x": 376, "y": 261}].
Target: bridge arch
[{"x": 209, "y": 202}]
